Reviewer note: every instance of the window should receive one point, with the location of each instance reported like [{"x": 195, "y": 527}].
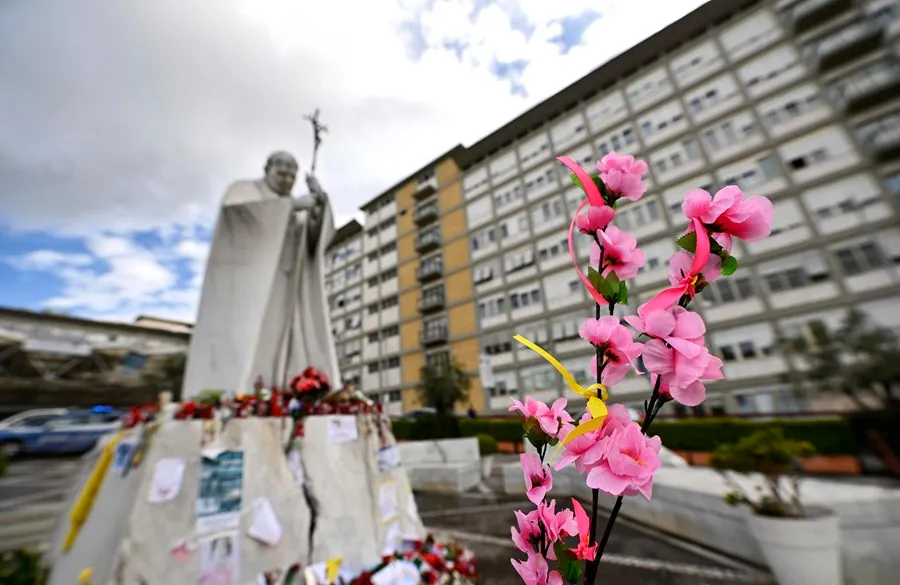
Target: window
[
  {"x": 747, "y": 349},
  {"x": 372, "y": 309},
  {"x": 372, "y": 282},
  {"x": 729, "y": 290},
  {"x": 389, "y": 302},
  {"x": 388, "y": 248},
  {"x": 372, "y": 256},
  {"x": 727, "y": 353},
  {"x": 862, "y": 258},
  {"x": 390, "y": 363},
  {"x": 373, "y": 337},
  {"x": 388, "y": 274},
  {"x": 768, "y": 167},
  {"x": 372, "y": 368},
  {"x": 388, "y": 332}
]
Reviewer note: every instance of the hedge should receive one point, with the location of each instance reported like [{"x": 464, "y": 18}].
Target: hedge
[{"x": 828, "y": 436}]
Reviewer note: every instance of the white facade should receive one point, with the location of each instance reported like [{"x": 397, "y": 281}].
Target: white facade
[{"x": 756, "y": 102}]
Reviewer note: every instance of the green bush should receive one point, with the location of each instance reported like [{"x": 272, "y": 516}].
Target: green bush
[
  {"x": 4, "y": 463},
  {"x": 22, "y": 567},
  {"x": 487, "y": 445},
  {"x": 827, "y": 436}
]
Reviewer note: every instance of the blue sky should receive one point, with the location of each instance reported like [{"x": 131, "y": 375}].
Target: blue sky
[{"x": 115, "y": 149}]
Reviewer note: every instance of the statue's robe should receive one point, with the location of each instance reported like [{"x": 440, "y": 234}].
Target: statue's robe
[{"x": 263, "y": 310}]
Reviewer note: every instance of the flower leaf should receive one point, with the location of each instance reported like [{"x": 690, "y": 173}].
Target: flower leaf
[
  {"x": 608, "y": 286},
  {"x": 623, "y": 294},
  {"x": 729, "y": 265},
  {"x": 568, "y": 565},
  {"x": 688, "y": 241}
]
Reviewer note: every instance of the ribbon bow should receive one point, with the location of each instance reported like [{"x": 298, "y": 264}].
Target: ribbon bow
[{"x": 595, "y": 394}]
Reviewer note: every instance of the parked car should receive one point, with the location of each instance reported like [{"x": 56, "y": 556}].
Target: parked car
[
  {"x": 419, "y": 412},
  {"x": 50, "y": 431}
]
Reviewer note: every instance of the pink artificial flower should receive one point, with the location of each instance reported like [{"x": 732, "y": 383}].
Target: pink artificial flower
[
  {"x": 550, "y": 418},
  {"x": 683, "y": 330},
  {"x": 536, "y": 571},
  {"x": 618, "y": 350},
  {"x": 631, "y": 461},
  {"x": 620, "y": 253},
  {"x": 589, "y": 448},
  {"x": 680, "y": 373},
  {"x": 583, "y": 524},
  {"x": 529, "y": 531},
  {"x": 538, "y": 480},
  {"x": 730, "y": 213},
  {"x": 622, "y": 175},
  {"x": 596, "y": 219},
  {"x": 556, "y": 524},
  {"x": 680, "y": 267}
]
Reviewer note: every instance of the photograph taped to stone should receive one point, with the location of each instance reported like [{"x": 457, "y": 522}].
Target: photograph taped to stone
[
  {"x": 342, "y": 429},
  {"x": 220, "y": 560},
  {"x": 220, "y": 495},
  {"x": 388, "y": 458}
]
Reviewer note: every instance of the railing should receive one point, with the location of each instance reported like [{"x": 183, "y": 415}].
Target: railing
[
  {"x": 428, "y": 241},
  {"x": 432, "y": 335}
]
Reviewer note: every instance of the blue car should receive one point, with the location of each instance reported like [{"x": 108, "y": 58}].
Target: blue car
[{"x": 50, "y": 431}]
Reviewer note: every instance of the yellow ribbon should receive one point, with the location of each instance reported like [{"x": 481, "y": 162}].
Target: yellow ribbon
[
  {"x": 85, "y": 502},
  {"x": 84, "y": 578},
  {"x": 595, "y": 395},
  {"x": 331, "y": 569}
]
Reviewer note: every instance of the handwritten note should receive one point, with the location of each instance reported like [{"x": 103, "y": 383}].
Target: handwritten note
[
  {"x": 342, "y": 429},
  {"x": 166, "y": 480},
  {"x": 388, "y": 458}
]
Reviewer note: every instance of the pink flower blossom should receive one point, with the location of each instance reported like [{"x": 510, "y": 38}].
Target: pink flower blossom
[
  {"x": 631, "y": 460},
  {"x": 597, "y": 218},
  {"x": 583, "y": 551},
  {"x": 620, "y": 253},
  {"x": 556, "y": 524},
  {"x": 680, "y": 267},
  {"x": 536, "y": 571},
  {"x": 529, "y": 531},
  {"x": 550, "y": 418},
  {"x": 680, "y": 373},
  {"x": 589, "y": 448},
  {"x": 680, "y": 328},
  {"x": 729, "y": 212},
  {"x": 538, "y": 480},
  {"x": 622, "y": 175},
  {"x": 617, "y": 348}
]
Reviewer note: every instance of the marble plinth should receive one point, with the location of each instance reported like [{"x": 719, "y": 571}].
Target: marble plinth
[{"x": 445, "y": 465}]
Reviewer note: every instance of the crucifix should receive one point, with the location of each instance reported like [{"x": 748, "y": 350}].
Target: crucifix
[{"x": 318, "y": 129}]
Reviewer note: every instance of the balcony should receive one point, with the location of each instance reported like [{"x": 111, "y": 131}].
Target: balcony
[
  {"x": 428, "y": 241},
  {"x": 811, "y": 13},
  {"x": 849, "y": 44},
  {"x": 425, "y": 214},
  {"x": 876, "y": 90},
  {"x": 434, "y": 335},
  {"x": 429, "y": 303},
  {"x": 429, "y": 271},
  {"x": 426, "y": 187},
  {"x": 884, "y": 145}
]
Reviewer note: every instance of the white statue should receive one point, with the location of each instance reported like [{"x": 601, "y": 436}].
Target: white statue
[{"x": 263, "y": 309}]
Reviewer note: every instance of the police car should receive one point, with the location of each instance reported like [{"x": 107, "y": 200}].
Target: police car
[{"x": 56, "y": 430}]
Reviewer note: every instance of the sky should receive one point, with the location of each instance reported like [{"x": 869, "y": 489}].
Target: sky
[{"x": 122, "y": 122}]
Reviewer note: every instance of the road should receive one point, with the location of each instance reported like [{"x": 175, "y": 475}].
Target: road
[{"x": 31, "y": 496}]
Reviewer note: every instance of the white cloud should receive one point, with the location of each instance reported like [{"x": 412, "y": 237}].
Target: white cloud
[
  {"x": 124, "y": 117},
  {"x": 47, "y": 260}
]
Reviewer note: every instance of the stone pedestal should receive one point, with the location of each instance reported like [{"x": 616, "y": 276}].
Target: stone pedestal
[{"x": 128, "y": 541}]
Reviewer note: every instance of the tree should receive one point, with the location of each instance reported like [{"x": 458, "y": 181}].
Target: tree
[
  {"x": 167, "y": 375},
  {"x": 857, "y": 356},
  {"x": 442, "y": 387}
]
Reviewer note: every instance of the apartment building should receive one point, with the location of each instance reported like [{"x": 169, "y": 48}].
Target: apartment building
[{"x": 798, "y": 100}]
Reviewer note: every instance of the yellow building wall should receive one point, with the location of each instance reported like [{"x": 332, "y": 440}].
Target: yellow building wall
[
  {"x": 411, "y": 399},
  {"x": 456, "y": 254},
  {"x": 406, "y": 275},
  {"x": 405, "y": 202},
  {"x": 406, "y": 247},
  {"x": 466, "y": 353},
  {"x": 446, "y": 171},
  {"x": 409, "y": 335},
  {"x": 411, "y": 367},
  {"x": 451, "y": 195},
  {"x": 462, "y": 320},
  {"x": 409, "y": 304},
  {"x": 458, "y": 285},
  {"x": 453, "y": 224}
]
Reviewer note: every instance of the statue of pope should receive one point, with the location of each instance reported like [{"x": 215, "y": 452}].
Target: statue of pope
[{"x": 263, "y": 310}]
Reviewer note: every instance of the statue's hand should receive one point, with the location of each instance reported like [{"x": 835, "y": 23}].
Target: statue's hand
[{"x": 315, "y": 189}]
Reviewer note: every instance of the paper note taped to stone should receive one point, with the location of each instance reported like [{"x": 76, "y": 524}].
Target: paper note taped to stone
[
  {"x": 388, "y": 458},
  {"x": 265, "y": 526},
  {"x": 342, "y": 429},
  {"x": 167, "y": 478},
  {"x": 387, "y": 501}
]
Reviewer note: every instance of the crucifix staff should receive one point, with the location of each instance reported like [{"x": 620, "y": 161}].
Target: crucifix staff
[{"x": 318, "y": 129}]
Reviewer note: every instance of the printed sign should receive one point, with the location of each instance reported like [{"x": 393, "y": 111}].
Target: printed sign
[{"x": 221, "y": 489}]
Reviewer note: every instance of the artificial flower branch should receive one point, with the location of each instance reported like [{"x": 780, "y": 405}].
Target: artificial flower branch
[{"x": 615, "y": 453}]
